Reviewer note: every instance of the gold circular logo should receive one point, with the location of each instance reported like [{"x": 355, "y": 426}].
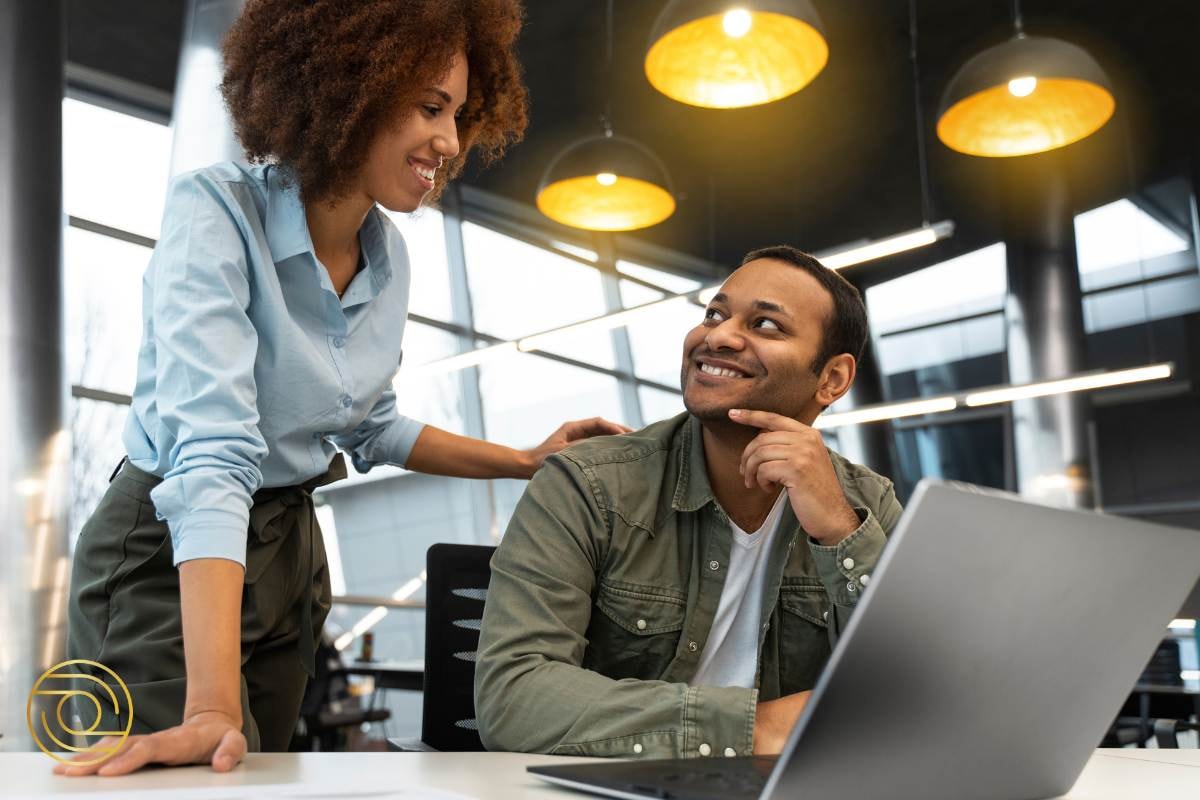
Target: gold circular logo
[{"x": 60, "y": 681}]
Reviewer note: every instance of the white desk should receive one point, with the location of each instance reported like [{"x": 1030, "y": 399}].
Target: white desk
[{"x": 1110, "y": 775}]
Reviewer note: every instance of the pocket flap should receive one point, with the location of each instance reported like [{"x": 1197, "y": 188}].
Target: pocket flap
[
  {"x": 641, "y": 611},
  {"x": 807, "y": 602}
]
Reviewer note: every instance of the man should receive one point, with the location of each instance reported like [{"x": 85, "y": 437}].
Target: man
[{"x": 676, "y": 591}]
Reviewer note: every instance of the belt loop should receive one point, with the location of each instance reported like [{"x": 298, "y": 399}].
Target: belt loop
[{"x": 120, "y": 464}]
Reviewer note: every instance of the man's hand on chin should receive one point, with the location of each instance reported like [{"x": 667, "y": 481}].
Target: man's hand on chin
[
  {"x": 791, "y": 454},
  {"x": 774, "y": 720}
]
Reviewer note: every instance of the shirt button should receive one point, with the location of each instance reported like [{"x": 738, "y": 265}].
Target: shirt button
[
  {"x": 637, "y": 748},
  {"x": 864, "y": 580},
  {"x": 848, "y": 563},
  {"x": 641, "y": 624},
  {"x": 825, "y": 616},
  {"x": 339, "y": 342},
  {"x": 705, "y": 750},
  {"x": 730, "y": 752},
  {"x": 693, "y": 647},
  {"x": 347, "y": 401},
  {"x": 850, "y": 587},
  {"x": 714, "y": 565}
]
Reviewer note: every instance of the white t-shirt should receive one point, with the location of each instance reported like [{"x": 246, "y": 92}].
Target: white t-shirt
[{"x": 730, "y": 656}]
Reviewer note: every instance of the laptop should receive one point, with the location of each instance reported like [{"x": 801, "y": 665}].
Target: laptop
[{"x": 991, "y": 651}]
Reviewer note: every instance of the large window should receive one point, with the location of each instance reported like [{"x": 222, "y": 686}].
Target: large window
[
  {"x": 657, "y": 338},
  {"x": 941, "y": 328},
  {"x": 518, "y": 289},
  {"x": 114, "y": 177}
]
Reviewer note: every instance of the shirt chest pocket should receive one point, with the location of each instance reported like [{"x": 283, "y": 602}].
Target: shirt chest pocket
[
  {"x": 634, "y": 631},
  {"x": 803, "y": 637}
]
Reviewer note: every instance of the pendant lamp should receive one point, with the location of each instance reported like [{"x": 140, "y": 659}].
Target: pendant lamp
[
  {"x": 1028, "y": 95},
  {"x": 731, "y": 53},
  {"x": 606, "y": 183}
]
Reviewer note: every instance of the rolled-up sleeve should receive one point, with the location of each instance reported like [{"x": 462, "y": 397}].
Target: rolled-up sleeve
[
  {"x": 205, "y": 394},
  {"x": 845, "y": 568}
]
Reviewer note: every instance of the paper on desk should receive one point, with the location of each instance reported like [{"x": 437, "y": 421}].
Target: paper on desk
[{"x": 270, "y": 791}]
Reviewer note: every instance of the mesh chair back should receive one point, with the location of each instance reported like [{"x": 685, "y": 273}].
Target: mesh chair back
[{"x": 456, "y": 586}]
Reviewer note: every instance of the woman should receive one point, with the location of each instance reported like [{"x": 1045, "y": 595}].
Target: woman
[{"x": 274, "y": 307}]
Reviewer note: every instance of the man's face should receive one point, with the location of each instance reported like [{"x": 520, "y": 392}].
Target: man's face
[{"x": 757, "y": 342}]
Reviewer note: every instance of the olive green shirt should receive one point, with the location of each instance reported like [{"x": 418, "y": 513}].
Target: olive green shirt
[{"x": 604, "y": 590}]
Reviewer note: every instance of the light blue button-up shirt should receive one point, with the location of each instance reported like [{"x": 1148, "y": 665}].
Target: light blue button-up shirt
[{"x": 251, "y": 370}]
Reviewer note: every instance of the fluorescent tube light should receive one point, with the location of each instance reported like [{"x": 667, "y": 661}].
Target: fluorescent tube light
[
  {"x": 468, "y": 359},
  {"x": 1182, "y": 625},
  {"x": 576, "y": 250},
  {"x": 849, "y": 256},
  {"x": 876, "y": 413},
  {"x": 539, "y": 341},
  {"x": 910, "y": 240},
  {"x": 372, "y": 617},
  {"x": 1096, "y": 380}
]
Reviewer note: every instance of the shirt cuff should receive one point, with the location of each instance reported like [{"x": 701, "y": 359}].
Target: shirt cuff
[
  {"x": 718, "y": 721},
  {"x": 393, "y": 446},
  {"x": 845, "y": 568},
  {"x": 210, "y": 533}
]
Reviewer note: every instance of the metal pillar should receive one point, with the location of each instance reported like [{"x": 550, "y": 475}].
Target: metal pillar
[
  {"x": 203, "y": 132},
  {"x": 1044, "y": 329},
  {"x": 34, "y": 460}
]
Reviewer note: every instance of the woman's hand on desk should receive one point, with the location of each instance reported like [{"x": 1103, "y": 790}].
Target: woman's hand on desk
[
  {"x": 209, "y": 737},
  {"x": 774, "y": 720}
]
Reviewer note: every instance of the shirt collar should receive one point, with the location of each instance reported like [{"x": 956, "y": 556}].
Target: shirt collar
[
  {"x": 286, "y": 226},
  {"x": 288, "y": 236},
  {"x": 692, "y": 489}
]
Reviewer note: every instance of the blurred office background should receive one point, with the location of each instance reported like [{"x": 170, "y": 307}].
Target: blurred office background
[{"x": 853, "y": 157}]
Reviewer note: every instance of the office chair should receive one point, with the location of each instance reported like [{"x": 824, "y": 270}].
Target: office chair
[
  {"x": 327, "y": 712},
  {"x": 457, "y": 577}
]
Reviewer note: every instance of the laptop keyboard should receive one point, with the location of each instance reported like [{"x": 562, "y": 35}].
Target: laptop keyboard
[{"x": 674, "y": 779}]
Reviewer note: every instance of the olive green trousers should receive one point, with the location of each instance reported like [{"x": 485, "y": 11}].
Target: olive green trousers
[{"x": 124, "y": 607}]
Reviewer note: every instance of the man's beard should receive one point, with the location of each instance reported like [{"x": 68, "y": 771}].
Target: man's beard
[{"x": 772, "y": 397}]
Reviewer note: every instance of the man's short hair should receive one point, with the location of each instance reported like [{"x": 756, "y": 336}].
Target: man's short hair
[{"x": 846, "y": 330}]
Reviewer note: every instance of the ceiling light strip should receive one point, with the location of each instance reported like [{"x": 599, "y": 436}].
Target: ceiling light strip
[
  {"x": 1079, "y": 383},
  {"x": 934, "y": 405},
  {"x": 836, "y": 259},
  {"x": 877, "y": 413}
]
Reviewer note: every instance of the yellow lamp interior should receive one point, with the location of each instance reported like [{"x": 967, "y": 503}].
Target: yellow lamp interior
[
  {"x": 997, "y": 123},
  {"x": 624, "y": 205},
  {"x": 700, "y": 64}
]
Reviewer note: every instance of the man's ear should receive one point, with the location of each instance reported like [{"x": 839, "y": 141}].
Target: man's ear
[{"x": 836, "y": 379}]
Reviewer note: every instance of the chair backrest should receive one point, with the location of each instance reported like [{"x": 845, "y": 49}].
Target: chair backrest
[{"x": 456, "y": 584}]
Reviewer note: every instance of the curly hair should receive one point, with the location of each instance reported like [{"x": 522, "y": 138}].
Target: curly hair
[{"x": 310, "y": 84}]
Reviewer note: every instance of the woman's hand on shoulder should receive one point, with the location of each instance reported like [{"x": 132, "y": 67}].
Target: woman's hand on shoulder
[
  {"x": 569, "y": 433},
  {"x": 209, "y": 737}
]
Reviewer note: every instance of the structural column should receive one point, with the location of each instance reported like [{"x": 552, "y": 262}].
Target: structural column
[
  {"x": 1045, "y": 337},
  {"x": 33, "y": 461},
  {"x": 203, "y": 133}
]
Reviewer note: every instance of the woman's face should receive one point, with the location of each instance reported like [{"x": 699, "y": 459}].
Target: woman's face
[{"x": 405, "y": 157}]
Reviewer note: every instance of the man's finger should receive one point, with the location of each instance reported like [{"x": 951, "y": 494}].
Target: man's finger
[
  {"x": 764, "y": 454},
  {"x": 772, "y": 475},
  {"x": 766, "y": 420},
  {"x": 761, "y": 440}
]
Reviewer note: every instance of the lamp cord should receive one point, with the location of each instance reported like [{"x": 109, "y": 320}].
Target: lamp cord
[
  {"x": 606, "y": 120},
  {"x": 922, "y": 159},
  {"x": 1018, "y": 22}
]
